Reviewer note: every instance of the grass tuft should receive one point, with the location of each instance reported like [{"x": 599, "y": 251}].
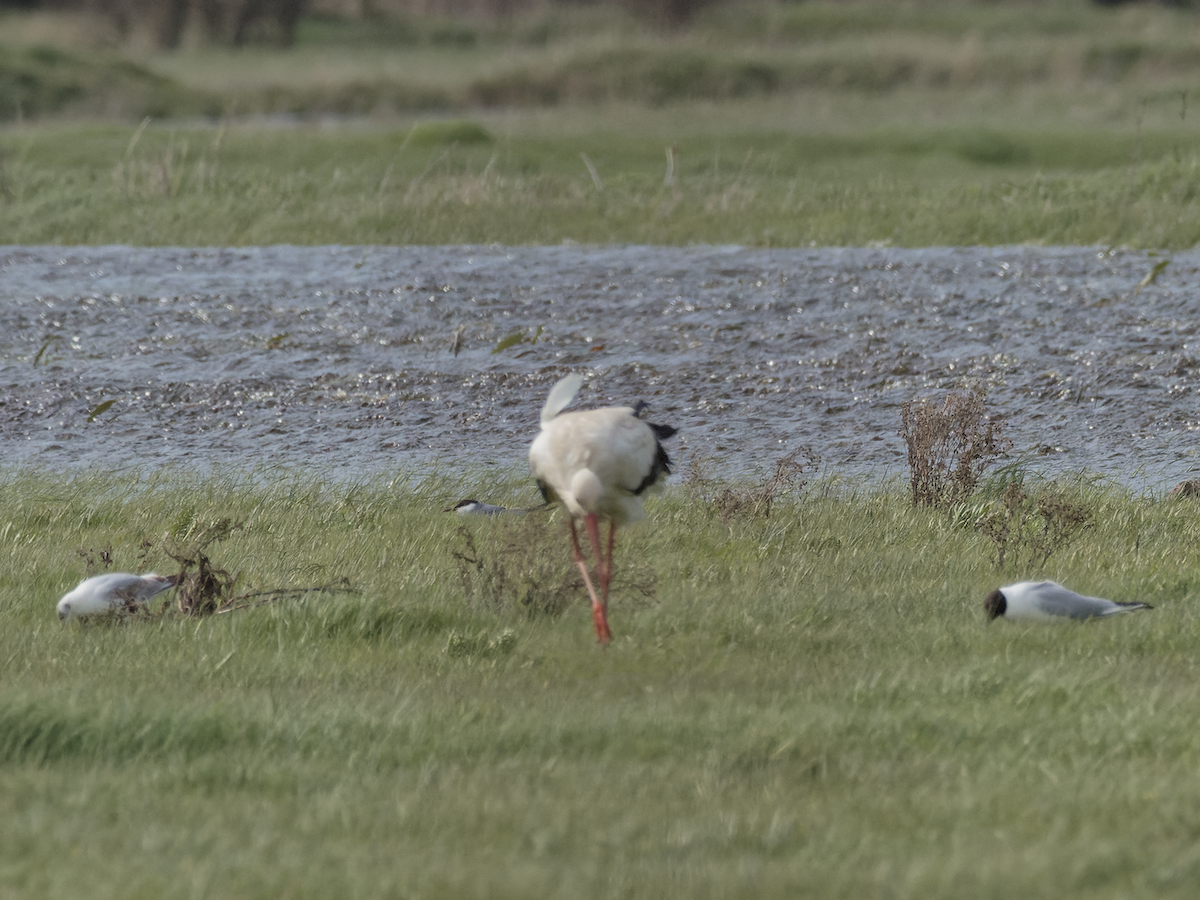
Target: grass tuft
[{"x": 443, "y": 133}]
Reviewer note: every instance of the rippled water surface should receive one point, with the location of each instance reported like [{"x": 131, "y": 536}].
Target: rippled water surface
[{"x": 365, "y": 360}]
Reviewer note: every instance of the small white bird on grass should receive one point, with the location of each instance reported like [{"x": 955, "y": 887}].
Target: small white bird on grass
[
  {"x": 114, "y": 591},
  {"x": 1048, "y": 600},
  {"x": 597, "y": 463}
]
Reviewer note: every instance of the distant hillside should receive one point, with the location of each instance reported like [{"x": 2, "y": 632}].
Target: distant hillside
[{"x": 39, "y": 81}]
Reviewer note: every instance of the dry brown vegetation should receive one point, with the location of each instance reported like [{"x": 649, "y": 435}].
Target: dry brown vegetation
[
  {"x": 1026, "y": 531},
  {"x": 950, "y": 445},
  {"x": 206, "y": 589},
  {"x": 755, "y": 501},
  {"x": 93, "y": 558},
  {"x": 203, "y": 588}
]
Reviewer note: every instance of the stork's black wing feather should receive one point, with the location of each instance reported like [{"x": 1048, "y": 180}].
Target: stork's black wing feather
[
  {"x": 662, "y": 432},
  {"x": 662, "y": 463}
]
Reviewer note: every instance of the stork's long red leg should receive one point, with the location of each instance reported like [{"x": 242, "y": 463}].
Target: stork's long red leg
[
  {"x": 592, "y": 523},
  {"x": 599, "y": 608},
  {"x": 606, "y": 572}
]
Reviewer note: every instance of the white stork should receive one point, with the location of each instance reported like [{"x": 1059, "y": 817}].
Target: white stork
[
  {"x": 597, "y": 463},
  {"x": 111, "y": 592}
]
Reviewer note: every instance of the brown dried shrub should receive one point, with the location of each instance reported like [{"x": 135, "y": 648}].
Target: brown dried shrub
[
  {"x": 950, "y": 446},
  {"x": 202, "y": 588},
  {"x": 1027, "y": 531},
  {"x": 205, "y": 589},
  {"x": 757, "y": 501}
]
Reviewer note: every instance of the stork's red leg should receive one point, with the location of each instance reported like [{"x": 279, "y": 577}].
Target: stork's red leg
[
  {"x": 599, "y": 608},
  {"x": 606, "y": 571},
  {"x": 592, "y": 523}
]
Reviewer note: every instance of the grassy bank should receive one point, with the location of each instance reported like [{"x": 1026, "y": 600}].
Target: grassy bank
[
  {"x": 768, "y": 125},
  {"x": 808, "y": 704},
  {"x": 481, "y": 182}
]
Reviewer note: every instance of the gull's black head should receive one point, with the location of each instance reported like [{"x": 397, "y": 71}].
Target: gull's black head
[
  {"x": 995, "y": 604},
  {"x": 461, "y": 505}
]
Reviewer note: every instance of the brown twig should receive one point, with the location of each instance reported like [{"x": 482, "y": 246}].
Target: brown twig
[{"x": 341, "y": 585}]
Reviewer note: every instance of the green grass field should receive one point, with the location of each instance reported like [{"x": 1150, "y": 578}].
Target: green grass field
[
  {"x": 930, "y": 123},
  {"x": 253, "y": 185},
  {"x": 809, "y": 705}
]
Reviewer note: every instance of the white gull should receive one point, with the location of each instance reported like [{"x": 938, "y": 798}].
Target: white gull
[{"x": 114, "y": 591}]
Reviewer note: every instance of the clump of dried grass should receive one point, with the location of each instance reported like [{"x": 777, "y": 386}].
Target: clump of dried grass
[
  {"x": 950, "y": 446},
  {"x": 205, "y": 589},
  {"x": 1027, "y": 531},
  {"x": 525, "y": 563},
  {"x": 202, "y": 588},
  {"x": 757, "y": 501}
]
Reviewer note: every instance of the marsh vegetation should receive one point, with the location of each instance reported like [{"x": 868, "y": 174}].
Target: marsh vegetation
[
  {"x": 766, "y": 124},
  {"x": 802, "y": 697},
  {"x": 806, "y": 702}
]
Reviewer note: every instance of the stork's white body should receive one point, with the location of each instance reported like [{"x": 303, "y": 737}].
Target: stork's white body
[
  {"x": 1049, "y": 600},
  {"x": 597, "y": 463},
  {"x": 108, "y": 593}
]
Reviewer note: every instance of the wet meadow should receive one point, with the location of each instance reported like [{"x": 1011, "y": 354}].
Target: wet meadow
[{"x": 803, "y": 696}]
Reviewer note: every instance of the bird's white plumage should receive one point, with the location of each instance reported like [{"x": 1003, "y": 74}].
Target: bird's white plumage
[
  {"x": 106, "y": 593},
  {"x": 593, "y": 461},
  {"x": 1050, "y": 600},
  {"x": 560, "y": 397}
]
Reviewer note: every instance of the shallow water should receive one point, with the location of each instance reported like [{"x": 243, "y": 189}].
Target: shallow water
[{"x": 360, "y": 361}]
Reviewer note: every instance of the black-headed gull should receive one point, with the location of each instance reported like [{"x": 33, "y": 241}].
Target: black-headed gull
[
  {"x": 1048, "y": 600},
  {"x": 597, "y": 463},
  {"x": 114, "y": 591}
]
